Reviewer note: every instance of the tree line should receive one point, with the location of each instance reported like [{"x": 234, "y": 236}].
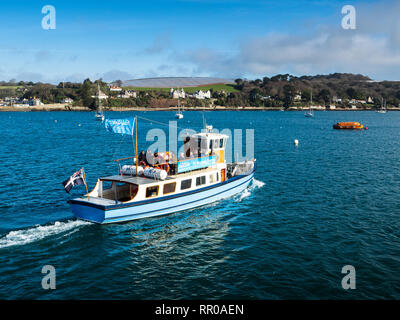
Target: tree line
[{"x": 282, "y": 90}]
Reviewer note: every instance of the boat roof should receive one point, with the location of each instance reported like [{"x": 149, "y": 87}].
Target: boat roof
[
  {"x": 144, "y": 180},
  {"x": 130, "y": 179}
]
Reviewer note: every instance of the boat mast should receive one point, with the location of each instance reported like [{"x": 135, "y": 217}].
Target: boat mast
[
  {"x": 98, "y": 99},
  {"x": 137, "y": 160}
]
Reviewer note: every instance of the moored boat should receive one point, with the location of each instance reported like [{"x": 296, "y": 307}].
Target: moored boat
[
  {"x": 160, "y": 184},
  {"x": 99, "y": 115},
  {"x": 348, "y": 126}
]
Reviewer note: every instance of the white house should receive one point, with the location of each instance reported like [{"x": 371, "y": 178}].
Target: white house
[
  {"x": 175, "y": 94},
  {"x": 335, "y": 99},
  {"x": 101, "y": 95},
  {"x": 202, "y": 94},
  {"x": 128, "y": 94},
  {"x": 35, "y": 102},
  {"x": 68, "y": 100},
  {"x": 354, "y": 101},
  {"x": 297, "y": 97}
]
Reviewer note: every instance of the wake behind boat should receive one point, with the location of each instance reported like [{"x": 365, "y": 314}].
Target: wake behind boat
[{"x": 159, "y": 183}]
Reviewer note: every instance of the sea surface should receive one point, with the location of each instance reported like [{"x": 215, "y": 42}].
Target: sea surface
[{"x": 333, "y": 200}]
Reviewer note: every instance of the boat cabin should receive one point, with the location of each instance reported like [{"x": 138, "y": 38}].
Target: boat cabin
[{"x": 207, "y": 144}]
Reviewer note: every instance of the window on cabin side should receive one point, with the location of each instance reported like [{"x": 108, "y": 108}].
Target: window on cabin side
[
  {"x": 152, "y": 192},
  {"x": 200, "y": 180},
  {"x": 169, "y": 188},
  {"x": 213, "y": 177},
  {"x": 221, "y": 143},
  {"x": 186, "y": 184}
]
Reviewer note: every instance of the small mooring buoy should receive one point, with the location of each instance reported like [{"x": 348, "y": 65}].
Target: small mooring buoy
[{"x": 296, "y": 142}]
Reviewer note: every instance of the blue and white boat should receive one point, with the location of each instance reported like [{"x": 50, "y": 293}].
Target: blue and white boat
[{"x": 169, "y": 186}]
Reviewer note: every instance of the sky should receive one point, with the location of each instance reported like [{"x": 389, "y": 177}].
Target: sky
[{"x": 121, "y": 40}]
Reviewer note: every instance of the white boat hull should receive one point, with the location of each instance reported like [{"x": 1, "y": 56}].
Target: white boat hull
[{"x": 87, "y": 210}]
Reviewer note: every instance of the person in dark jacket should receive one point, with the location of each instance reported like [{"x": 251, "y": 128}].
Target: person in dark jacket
[{"x": 142, "y": 157}]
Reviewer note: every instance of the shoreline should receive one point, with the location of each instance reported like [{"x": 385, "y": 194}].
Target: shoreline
[{"x": 67, "y": 108}]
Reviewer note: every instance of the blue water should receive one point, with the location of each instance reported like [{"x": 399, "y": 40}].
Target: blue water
[{"x": 332, "y": 201}]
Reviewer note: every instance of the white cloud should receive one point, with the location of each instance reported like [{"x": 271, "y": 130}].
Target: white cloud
[{"x": 372, "y": 49}]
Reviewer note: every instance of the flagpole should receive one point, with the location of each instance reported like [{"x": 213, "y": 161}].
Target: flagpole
[
  {"x": 84, "y": 179},
  {"x": 136, "y": 146}
]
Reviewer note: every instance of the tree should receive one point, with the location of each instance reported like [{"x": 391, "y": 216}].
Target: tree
[
  {"x": 351, "y": 93},
  {"x": 288, "y": 92},
  {"x": 86, "y": 94},
  {"x": 325, "y": 95}
]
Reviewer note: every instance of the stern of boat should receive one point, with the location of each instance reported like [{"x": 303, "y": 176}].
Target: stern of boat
[{"x": 85, "y": 210}]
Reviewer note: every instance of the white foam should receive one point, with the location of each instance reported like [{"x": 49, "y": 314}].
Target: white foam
[
  {"x": 246, "y": 193},
  {"x": 21, "y": 237},
  {"x": 256, "y": 184}
]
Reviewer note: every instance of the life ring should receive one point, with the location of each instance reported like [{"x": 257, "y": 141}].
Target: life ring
[{"x": 164, "y": 166}]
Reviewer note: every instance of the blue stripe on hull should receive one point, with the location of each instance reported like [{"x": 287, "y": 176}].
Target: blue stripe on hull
[{"x": 162, "y": 207}]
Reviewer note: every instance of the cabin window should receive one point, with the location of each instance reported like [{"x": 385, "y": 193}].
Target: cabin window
[
  {"x": 152, "y": 192},
  {"x": 200, "y": 180},
  {"x": 213, "y": 177},
  {"x": 221, "y": 143},
  {"x": 216, "y": 144},
  {"x": 169, "y": 188},
  {"x": 186, "y": 184}
]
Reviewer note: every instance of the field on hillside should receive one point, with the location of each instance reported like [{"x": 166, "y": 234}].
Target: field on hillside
[{"x": 214, "y": 87}]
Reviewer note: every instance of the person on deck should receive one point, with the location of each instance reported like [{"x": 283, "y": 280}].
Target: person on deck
[{"x": 142, "y": 158}]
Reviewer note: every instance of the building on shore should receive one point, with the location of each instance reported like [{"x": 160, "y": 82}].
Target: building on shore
[
  {"x": 115, "y": 88},
  {"x": 35, "y": 102},
  {"x": 101, "y": 95},
  {"x": 176, "y": 94},
  {"x": 200, "y": 94},
  {"x": 335, "y": 99},
  {"x": 67, "y": 101},
  {"x": 297, "y": 96},
  {"x": 128, "y": 94}
]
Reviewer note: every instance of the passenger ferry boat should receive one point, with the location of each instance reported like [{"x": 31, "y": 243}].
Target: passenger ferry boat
[{"x": 153, "y": 188}]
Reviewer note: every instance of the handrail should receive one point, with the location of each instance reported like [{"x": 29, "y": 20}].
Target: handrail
[{"x": 123, "y": 159}]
